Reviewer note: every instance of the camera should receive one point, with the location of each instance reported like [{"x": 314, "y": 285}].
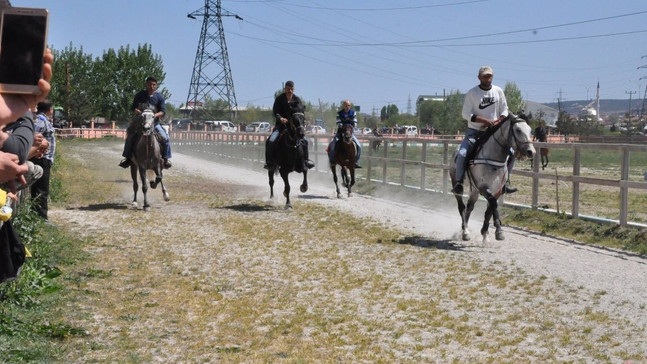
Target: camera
[{"x": 23, "y": 40}]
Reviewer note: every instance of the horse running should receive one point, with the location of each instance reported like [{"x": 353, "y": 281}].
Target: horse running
[
  {"x": 345, "y": 157},
  {"x": 487, "y": 171},
  {"x": 289, "y": 158},
  {"x": 146, "y": 156}
]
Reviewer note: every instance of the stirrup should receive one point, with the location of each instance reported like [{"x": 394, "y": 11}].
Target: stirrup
[
  {"x": 310, "y": 164},
  {"x": 167, "y": 164}
]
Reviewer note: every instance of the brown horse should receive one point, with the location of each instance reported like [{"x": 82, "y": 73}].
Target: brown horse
[{"x": 345, "y": 157}]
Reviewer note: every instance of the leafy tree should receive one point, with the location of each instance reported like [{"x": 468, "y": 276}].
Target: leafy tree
[
  {"x": 389, "y": 114},
  {"x": 452, "y": 120},
  {"x": 513, "y": 97},
  {"x": 72, "y": 84},
  {"x": 121, "y": 74}
]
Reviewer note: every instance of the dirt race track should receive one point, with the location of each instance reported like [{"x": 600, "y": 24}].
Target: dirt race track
[{"x": 607, "y": 281}]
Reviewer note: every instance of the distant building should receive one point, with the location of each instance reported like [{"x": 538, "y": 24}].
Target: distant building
[{"x": 546, "y": 113}]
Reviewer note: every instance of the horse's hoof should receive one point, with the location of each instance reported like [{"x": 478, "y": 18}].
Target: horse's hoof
[
  {"x": 167, "y": 198},
  {"x": 499, "y": 235},
  {"x": 288, "y": 206},
  {"x": 338, "y": 195},
  {"x": 134, "y": 205},
  {"x": 147, "y": 208},
  {"x": 304, "y": 188},
  {"x": 153, "y": 185},
  {"x": 466, "y": 236}
]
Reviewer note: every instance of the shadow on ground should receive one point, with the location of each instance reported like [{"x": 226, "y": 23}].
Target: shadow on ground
[
  {"x": 101, "y": 206},
  {"x": 245, "y": 207},
  {"x": 424, "y": 242}
]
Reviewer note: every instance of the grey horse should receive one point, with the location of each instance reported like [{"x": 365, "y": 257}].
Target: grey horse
[
  {"x": 146, "y": 156},
  {"x": 487, "y": 171}
]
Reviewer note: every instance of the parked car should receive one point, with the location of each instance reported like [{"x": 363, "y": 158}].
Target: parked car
[
  {"x": 259, "y": 127},
  {"x": 181, "y": 124},
  {"x": 410, "y": 129},
  {"x": 222, "y": 125},
  {"x": 317, "y": 129},
  {"x": 366, "y": 131}
]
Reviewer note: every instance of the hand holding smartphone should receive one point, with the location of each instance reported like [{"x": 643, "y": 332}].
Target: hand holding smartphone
[{"x": 23, "y": 40}]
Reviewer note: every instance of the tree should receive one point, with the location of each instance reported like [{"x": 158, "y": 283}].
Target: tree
[
  {"x": 513, "y": 97},
  {"x": 121, "y": 74},
  {"x": 104, "y": 86},
  {"x": 72, "y": 84},
  {"x": 389, "y": 113},
  {"x": 452, "y": 119}
]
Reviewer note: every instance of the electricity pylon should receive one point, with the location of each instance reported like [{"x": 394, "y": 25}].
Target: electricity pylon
[{"x": 211, "y": 79}]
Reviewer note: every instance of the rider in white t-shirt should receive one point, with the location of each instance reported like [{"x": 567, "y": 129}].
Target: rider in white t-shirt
[{"x": 484, "y": 106}]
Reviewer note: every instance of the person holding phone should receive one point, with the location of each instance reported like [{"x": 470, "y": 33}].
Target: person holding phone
[{"x": 152, "y": 97}]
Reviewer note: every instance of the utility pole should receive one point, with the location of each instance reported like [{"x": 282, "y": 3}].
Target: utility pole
[
  {"x": 211, "y": 79},
  {"x": 630, "y": 94}
]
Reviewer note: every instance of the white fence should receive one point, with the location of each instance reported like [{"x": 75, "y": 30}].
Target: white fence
[{"x": 611, "y": 193}]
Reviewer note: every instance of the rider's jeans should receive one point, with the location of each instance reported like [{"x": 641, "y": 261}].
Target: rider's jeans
[
  {"x": 463, "y": 151},
  {"x": 167, "y": 143}
]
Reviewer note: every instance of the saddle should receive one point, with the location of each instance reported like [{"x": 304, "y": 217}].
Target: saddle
[{"x": 479, "y": 139}]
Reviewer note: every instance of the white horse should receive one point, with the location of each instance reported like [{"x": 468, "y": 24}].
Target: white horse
[{"x": 487, "y": 171}]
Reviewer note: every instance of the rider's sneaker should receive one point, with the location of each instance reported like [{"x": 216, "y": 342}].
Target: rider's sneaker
[
  {"x": 508, "y": 190},
  {"x": 125, "y": 163},
  {"x": 167, "y": 164},
  {"x": 310, "y": 164},
  {"x": 357, "y": 166},
  {"x": 458, "y": 188}
]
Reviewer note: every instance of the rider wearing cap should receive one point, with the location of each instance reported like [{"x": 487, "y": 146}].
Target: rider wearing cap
[{"x": 485, "y": 105}]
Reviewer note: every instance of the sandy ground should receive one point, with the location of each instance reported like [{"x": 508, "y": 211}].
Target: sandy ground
[{"x": 621, "y": 275}]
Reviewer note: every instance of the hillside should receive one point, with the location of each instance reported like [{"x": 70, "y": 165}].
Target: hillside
[{"x": 607, "y": 106}]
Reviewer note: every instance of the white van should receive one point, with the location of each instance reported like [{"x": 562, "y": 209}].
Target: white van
[
  {"x": 222, "y": 125},
  {"x": 410, "y": 129}
]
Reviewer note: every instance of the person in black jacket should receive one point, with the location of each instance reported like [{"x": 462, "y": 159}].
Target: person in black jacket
[{"x": 285, "y": 105}]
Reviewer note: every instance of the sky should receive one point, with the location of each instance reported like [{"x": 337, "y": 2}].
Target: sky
[{"x": 379, "y": 52}]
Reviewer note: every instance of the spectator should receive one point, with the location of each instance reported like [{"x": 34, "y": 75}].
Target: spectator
[{"x": 45, "y": 158}]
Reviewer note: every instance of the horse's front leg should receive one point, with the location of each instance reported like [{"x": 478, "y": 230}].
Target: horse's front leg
[
  {"x": 270, "y": 175},
  {"x": 498, "y": 232},
  {"x": 333, "y": 168},
  {"x": 352, "y": 179},
  {"x": 344, "y": 177},
  {"x": 304, "y": 184},
  {"x": 144, "y": 180},
  {"x": 286, "y": 189},
  {"x": 161, "y": 183},
  {"x": 133, "y": 174},
  {"x": 467, "y": 213}
]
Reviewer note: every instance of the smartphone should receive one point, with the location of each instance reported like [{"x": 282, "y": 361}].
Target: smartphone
[{"x": 23, "y": 40}]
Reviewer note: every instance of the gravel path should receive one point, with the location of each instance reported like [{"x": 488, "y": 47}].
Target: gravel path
[{"x": 620, "y": 277}]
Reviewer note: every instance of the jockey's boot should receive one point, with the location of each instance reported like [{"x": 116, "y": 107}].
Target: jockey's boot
[
  {"x": 125, "y": 163},
  {"x": 269, "y": 155},
  {"x": 357, "y": 165},
  {"x": 307, "y": 163},
  {"x": 508, "y": 190},
  {"x": 167, "y": 163},
  {"x": 458, "y": 188}
]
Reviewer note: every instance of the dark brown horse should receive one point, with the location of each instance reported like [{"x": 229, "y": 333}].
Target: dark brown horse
[
  {"x": 345, "y": 157},
  {"x": 289, "y": 158}
]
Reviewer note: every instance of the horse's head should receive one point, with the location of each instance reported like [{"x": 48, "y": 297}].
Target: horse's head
[
  {"x": 147, "y": 118},
  {"x": 522, "y": 139},
  {"x": 347, "y": 133}
]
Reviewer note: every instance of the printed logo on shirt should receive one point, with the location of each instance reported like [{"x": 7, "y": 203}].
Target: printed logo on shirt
[{"x": 487, "y": 101}]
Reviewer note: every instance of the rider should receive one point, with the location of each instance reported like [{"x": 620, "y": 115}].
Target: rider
[
  {"x": 152, "y": 97},
  {"x": 285, "y": 105},
  {"x": 485, "y": 105},
  {"x": 345, "y": 116}
]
